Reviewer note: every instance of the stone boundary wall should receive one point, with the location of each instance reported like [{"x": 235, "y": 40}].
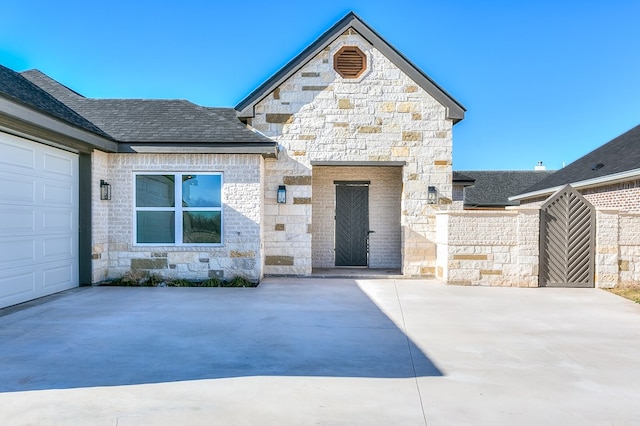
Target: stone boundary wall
[
  {"x": 617, "y": 248},
  {"x": 491, "y": 248},
  {"x": 501, "y": 248}
]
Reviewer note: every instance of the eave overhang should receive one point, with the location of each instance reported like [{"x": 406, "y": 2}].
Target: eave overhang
[
  {"x": 264, "y": 149},
  {"x": 35, "y": 124}
]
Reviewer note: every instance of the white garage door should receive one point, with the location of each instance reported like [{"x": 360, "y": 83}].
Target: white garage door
[{"x": 38, "y": 220}]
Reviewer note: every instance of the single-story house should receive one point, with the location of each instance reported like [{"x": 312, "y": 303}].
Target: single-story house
[
  {"x": 607, "y": 177},
  {"x": 491, "y": 189},
  {"x": 340, "y": 159}
]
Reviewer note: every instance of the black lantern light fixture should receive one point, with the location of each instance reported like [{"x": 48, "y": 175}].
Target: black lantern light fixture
[
  {"x": 105, "y": 190},
  {"x": 282, "y": 194},
  {"x": 432, "y": 195}
]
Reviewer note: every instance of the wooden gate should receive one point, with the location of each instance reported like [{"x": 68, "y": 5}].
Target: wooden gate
[
  {"x": 567, "y": 240},
  {"x": 352, "y": 223}
]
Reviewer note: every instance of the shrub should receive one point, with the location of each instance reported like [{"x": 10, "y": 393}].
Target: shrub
[
  {"x": 239, "y": 281},
  {"x": 143, "y": 279},
  {"x": 212, "y": 282},
  {"x": 180, "y": 282}
]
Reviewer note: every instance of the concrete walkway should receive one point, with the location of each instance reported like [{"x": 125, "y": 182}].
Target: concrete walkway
[{"x": 322, "y": 351}]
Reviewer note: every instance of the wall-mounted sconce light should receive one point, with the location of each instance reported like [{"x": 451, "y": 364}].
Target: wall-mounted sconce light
[
  {"x": 105, "y": 190},
  {"x": 282, "y": 194},
  {"x": 432, "y": 195}
]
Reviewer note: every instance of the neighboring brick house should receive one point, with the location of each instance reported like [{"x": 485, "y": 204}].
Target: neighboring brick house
[
  {"x": 341, "y": 158},
  {"x": 608, "y": 177}
]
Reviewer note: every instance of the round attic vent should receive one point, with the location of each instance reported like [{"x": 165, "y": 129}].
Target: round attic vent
[{"x": 350, "y": 62}]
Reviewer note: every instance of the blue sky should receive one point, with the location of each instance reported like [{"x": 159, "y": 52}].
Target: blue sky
[{"x": 541, "y": 80}]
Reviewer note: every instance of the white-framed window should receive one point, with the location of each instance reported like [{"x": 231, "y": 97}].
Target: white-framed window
[{"x": 196, "y": 217}]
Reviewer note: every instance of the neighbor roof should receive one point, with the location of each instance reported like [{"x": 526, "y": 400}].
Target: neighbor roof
[
  {"x": 616, "y": 160},
  {"x": 17, "y": 88},
  {"x": 493, "y": 188},
  {"x": 455, "y": 110},
  {"x": 149, "y": 121},
  {"x": 462, "y": 179}
]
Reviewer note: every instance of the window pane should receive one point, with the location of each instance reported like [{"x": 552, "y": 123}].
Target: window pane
[
  {"x": 201, "y": 190},
  {"x": 155, "y": 191},
  {"x": 155, "y": 227},
  {"x": 201, "y": 227}
]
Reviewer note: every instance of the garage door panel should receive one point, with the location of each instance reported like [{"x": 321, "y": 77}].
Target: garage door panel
[
  {"x": 58, "y": 277},
  {"x": 15, "y": 221},
  {"x": 16, "y": 286},
  {"x": 57, "y": 221},
  {"x": 15, "y": 155},
  {"x": 58, "y": 194},
  {"x": 56, "y": 248},
  {"x": 17, "y": 252},
  {"x": 57, "y": 165},
  {"x": 14, "y": 190}
]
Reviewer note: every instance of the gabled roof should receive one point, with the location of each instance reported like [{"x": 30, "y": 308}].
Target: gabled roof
[
  {"x": 493, "y": 188},
  {"x": 614, "y": 161},
  {"x": 455, "y": 110},
  {"x": 17, "y": 88},
  {"x": 149, "y": 121}
]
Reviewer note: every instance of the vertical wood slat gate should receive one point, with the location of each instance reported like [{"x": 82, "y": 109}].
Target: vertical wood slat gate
[{"x": 567, "y": 240}]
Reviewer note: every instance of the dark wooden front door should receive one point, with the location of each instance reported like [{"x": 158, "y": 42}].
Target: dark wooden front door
[{"x": 352, "y": 224}]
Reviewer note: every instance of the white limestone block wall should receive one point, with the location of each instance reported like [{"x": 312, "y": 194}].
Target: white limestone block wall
[
  {"x": 617, "y": 256},
  {"x": 492, "y": 248},
  {"x": 629, "y": 261},
  {"x": 606, "y": 250},
  {"x": 241, "y": 252},
  {"x": 318, "y": 116}
]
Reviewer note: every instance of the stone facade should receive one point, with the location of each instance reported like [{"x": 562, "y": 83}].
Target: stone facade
[
  {"x": 241, "y": 252},
  {"x": 382, "y": 116}
]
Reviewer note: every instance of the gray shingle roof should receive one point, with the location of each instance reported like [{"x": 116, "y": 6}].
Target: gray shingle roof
[
  {"x": 460, "y": 178},
  {"x": 620, "y": 155},
  {"x": 18, "y": 88},
  {"x": 493, "y": 188},
  {"x": 455, "y": 110},
  {"x": 154, "y": 121}
]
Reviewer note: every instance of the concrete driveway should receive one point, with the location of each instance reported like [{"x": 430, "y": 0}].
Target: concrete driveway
[{"x": 329, "y": 352}]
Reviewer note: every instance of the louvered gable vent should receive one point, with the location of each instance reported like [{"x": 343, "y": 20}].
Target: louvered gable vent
[{"x": 350, "y": 62}]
